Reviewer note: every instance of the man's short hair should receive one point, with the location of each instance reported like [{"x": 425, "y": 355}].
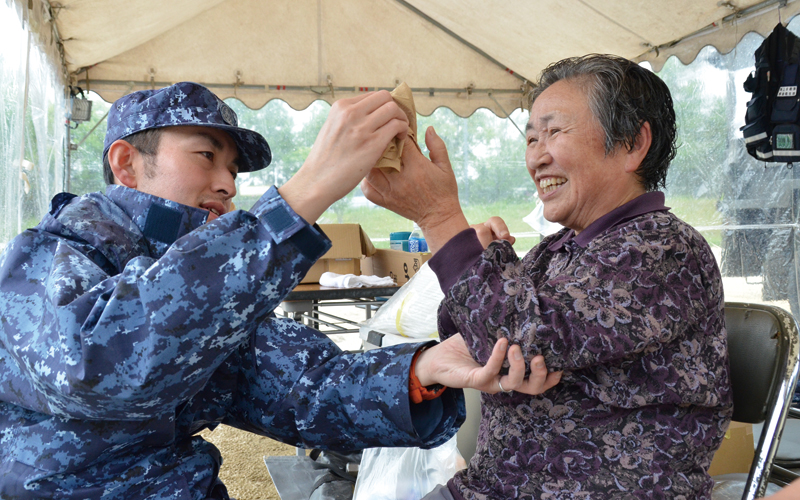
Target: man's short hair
[
  {"x": 622, "y": 96},
  {"x": 146, "y": 143}
]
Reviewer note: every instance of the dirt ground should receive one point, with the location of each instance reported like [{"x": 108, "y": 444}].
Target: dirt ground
[{"x": 243, "y": 470}]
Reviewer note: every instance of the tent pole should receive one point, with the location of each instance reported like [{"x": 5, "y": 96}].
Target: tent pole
[
  {"x": 68, "y": 158},
  {"x": 22, "y": 138},
  {"x": 101, "y": 120}
]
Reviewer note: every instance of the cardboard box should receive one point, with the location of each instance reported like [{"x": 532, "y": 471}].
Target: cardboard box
[
  {"x": 401, "y": 266},
  {"x": 736, "y": 452},
  {"x": 350, "y": 246}
]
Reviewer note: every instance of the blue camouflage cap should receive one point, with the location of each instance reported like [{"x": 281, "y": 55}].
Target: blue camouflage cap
[{"x": 185, "y": 103}]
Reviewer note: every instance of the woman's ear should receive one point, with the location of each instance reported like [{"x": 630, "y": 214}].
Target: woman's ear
[
  {"x": 121, "y": 156},
  {"x": 640, "y": 148}
]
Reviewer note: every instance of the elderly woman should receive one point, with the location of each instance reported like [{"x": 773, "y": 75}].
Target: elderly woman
[{"x": 626, "y": 300}]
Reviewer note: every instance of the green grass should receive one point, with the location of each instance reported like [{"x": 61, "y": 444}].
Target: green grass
[
  {"x": 378, "y": 222},
  {"x": 701, "y": 213},
  {"x": 696, "y": 211}
]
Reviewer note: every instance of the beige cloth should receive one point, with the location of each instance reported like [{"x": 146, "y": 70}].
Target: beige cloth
[{"x": 391, "y": 156}]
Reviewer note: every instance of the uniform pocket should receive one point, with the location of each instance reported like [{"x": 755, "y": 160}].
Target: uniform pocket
[{"x": 786, "y": 142}]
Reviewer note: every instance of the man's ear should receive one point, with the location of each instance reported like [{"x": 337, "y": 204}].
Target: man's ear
[
  {"x": 640, "y": 148},
  {"x": 121, "y": 157}
]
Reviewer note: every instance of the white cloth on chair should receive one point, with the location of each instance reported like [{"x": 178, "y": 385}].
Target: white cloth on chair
[{"x": 352, "y": 281}]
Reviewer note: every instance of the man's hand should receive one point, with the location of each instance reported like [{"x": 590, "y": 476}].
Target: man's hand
[
  {"x": 425, "y": 191},
  {"x": 449, "y": 363},
  {"x": 493, "y": 229},
  {"x": 351, "y": 141}
]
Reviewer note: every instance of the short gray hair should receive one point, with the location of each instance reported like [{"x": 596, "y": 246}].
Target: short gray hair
[{"x": 623, "y": 96}]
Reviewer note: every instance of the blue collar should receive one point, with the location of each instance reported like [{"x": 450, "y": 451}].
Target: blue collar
[
  {"x": 159, "y": 220},
  {"x": 123, "y": 224}
]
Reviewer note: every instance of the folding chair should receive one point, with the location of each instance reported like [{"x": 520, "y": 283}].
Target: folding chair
[
  {"x": 763, "y": 350},
  {"x": 788, "y": 455}
]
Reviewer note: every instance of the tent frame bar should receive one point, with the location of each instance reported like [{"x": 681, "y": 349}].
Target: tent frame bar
[
  {"x": 92, "y": 84},
  {"x": 752, "y": 11}
]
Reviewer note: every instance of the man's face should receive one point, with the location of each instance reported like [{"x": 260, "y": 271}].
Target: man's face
[
  {"x": 575, "y": 179},
  {"x": 194, "y": 166}
]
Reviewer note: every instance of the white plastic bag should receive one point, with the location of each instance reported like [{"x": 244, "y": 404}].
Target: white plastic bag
[
  {"x": 405, "y": 473},
  {"x": 412, "y": 310},
  {"x": 536, "y": 220}
]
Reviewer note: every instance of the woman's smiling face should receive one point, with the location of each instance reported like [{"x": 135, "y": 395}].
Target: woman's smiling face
[{"x": 566, "y": 157}]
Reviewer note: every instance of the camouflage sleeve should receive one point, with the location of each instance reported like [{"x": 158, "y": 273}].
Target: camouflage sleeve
[
  {"x": 84, "y": 344},
  {"x": 300, "y": 388}
]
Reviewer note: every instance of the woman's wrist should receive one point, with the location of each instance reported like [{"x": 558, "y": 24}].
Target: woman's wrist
[{"x": 439, "y": 232}]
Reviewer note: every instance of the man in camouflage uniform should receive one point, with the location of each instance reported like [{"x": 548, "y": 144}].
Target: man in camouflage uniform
[{"x": 134, "y": 319}]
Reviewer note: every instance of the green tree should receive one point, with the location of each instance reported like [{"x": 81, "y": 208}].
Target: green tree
[
  {"x": 487, "y": 154},
  {"x": 86, "y": 163},
  {"x": 290, "y": 135},
  {"x": 703, "y": 121}
]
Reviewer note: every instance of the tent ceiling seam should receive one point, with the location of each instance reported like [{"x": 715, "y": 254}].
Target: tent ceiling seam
[
  {"x": 615, "y": 22},
  {"x": 460, "y": 39}
]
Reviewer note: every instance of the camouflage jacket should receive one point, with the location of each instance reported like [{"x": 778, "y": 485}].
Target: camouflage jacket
[{"x": 129, "y": 324}]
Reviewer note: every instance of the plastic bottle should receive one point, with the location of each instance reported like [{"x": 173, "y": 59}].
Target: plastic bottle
[{"x": 416, "y": 242}]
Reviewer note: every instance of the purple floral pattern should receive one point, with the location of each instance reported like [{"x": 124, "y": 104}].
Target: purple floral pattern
[{"x": 635, "y": 320}]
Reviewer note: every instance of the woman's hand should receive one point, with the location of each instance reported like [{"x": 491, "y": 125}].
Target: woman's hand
[
  {"x": 450, "y": 363},
  {"x": 493, "y": 229},
  {"x": 351, "y": 141},
  {"x": 425, "y": 191}
]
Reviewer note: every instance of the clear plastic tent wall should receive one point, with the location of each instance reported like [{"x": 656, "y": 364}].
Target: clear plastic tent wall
[
  {"x": 746, "y": 209},
  {"x": 31, "y": 123}
]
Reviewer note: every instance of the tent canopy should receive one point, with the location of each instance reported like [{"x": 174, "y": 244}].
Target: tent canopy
[{"x": 462, "y": 54}]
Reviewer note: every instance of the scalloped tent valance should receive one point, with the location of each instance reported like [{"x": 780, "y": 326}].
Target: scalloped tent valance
[{"x": 462, "y": 54}]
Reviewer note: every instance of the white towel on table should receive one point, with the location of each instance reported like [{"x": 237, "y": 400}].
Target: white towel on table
[{"x": 352, "y": 281}]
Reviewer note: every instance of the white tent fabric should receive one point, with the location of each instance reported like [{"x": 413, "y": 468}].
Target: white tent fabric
[{"x": 463, "y": 54}]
